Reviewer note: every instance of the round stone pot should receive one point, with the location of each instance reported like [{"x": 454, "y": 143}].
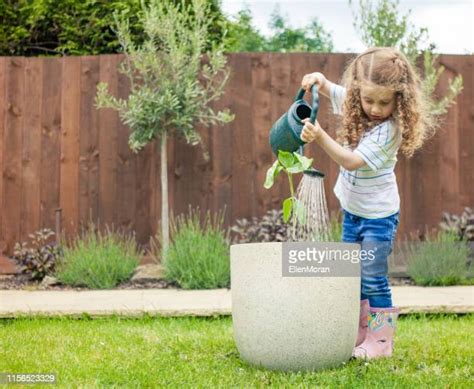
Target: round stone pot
[{"x": 291, "y": 323}]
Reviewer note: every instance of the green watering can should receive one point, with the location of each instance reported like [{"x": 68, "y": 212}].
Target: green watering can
[{"x": 286, "y": 132}]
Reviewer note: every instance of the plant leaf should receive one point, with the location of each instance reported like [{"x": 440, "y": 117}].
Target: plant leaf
[
  {"x": 287, "y": 206},
  {"x": 286, "y": 158},
  {"x": 304, "y": 161},
  {"x": 272, "y": 173},
  {"x": 297, "y": 168}
]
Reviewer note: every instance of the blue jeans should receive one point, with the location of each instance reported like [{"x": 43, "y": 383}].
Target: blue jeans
[{"x": 376, "y": 235}]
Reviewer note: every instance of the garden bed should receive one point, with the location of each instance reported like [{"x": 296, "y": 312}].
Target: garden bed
[{"x": 21, "y": 282}]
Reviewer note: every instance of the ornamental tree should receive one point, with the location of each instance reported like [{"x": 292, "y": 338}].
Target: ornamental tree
[{"x": 174, "y": 76}]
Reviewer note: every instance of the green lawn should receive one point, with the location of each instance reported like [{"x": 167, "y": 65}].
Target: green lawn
[{"x": 430, "y": 351}]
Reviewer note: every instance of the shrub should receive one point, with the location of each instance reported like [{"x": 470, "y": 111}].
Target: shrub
[
  {"x": 71, "y": 27},
  {"x": 99, "y": 260},
  {"x": 198, "y": 256},
  {"x": 270, "y": 228},
  {"x": 462, "y": 226},
  {"x": 75, "y": 27},
  {"x": 439, "y": 261},
  {"x": 40, "y": 258}
]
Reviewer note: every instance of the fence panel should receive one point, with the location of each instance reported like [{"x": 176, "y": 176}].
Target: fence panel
[{"x": 57, "y": 150}]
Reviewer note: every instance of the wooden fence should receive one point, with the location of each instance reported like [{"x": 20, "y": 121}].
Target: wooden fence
[{"x": 58, "y": 151}]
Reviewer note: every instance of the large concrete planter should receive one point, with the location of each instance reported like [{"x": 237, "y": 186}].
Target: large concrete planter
[{"x": 290, "y": 323}]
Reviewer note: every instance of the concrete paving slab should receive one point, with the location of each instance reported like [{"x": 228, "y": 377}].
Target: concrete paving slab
[
  {"x": 176, "y": 302},
  {"x": 166, "y": 302},
  {"x": 449, "y": 299}
]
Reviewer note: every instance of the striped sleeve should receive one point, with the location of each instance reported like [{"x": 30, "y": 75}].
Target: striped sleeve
[
  {"x": 379, "y": 146},
  {"x": 337, "y": 94}
]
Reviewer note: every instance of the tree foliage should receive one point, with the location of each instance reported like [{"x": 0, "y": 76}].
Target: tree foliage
[
  {"x": 173, "y": 77},
  {"x": 241, "y": 33},
  {"x": 243, "y": 36},
  {"x": 84, "y": 27},
  {"x": 381, "y": 24},
  {"x": 284, "y": 38},
  {"x": 76, "y": 27}
]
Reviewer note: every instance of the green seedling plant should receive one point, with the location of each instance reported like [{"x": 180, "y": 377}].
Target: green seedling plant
[{"x": 290, "y": 163}]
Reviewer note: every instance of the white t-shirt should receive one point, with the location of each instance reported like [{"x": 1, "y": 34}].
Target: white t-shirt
[{"x": 370, "y": 191}]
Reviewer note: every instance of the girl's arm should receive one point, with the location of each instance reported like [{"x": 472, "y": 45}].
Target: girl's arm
[{"x": 343, "y": 157}]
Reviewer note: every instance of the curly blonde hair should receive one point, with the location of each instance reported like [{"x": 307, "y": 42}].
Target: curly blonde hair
[{"x": 388, "y": 67}]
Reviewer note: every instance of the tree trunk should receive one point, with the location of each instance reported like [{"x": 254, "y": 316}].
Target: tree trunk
[{"x": 165, "y": 228}]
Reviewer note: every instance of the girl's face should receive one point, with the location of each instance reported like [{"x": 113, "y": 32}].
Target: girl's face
[{"x": 378, "y": 102}]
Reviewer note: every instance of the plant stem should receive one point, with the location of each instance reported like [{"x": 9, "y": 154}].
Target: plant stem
[
  {"x": 292, "y": 191},
  {"x": 290, "y": 179}
]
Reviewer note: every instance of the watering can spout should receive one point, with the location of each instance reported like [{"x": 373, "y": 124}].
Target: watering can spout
[{"x": 314, "y": 173}]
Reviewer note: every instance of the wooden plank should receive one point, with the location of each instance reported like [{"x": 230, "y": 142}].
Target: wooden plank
[
  {"x": 426, "y": 209},
  {"x": 89, "y": 141},
  {"x": 70, "y": 144},
  {"x": 467, "y": 134},
  {"x": 192, "y": 172},
  {"x": 403, "y": 171},
  {"x": 3, "y": 100},
  {"x": 298, "y": 68},
  {"x": 126, "y": 165},
  {"x": 50, "y": 141},
  {"x": 142, "y": 216},
  {"x": 430, "y": 182},
  {"x": 261, "y": 115},
  {"x": 8, "y": 265},
  {"x": 204, "y": 168},
  {"x": 173, "y": 175},
  {"x": 108, "y": 137},
  {"x": 333, "y": 69},
  {"x": 243, "y": 166},
  {"x": 12, "y": 145},
  {"x": 186, "y": 176},
  {"x": 464, "y": 65},
  {"x": 318, "y": 63},
  {"x": 31, "y": 150},
  {"x": 221, "y": 154},
  {"x": 449, "y": 145},
  {"x": 282, "y": 99}
]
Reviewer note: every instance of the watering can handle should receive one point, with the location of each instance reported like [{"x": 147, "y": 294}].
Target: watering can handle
[{"x": 315, "y": 101}]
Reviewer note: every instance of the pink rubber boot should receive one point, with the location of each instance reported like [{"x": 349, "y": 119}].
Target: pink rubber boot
[
  {"x": 380, "y": 333},
  {"x": 363, "y": 321}
]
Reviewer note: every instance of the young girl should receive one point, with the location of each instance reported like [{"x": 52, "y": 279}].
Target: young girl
[{"x": 383, "y": 111}]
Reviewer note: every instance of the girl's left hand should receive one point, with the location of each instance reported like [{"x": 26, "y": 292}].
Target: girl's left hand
[{"x": 310, "y": 131}]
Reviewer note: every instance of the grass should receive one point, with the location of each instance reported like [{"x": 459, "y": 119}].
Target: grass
[{"x": 430, "y": 351}]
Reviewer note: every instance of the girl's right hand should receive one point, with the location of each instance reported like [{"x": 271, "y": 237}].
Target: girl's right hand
[{"x": 313, "y": 78}]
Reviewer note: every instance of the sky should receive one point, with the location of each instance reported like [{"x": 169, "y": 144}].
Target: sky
[{"x": 449, "y": 22}]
